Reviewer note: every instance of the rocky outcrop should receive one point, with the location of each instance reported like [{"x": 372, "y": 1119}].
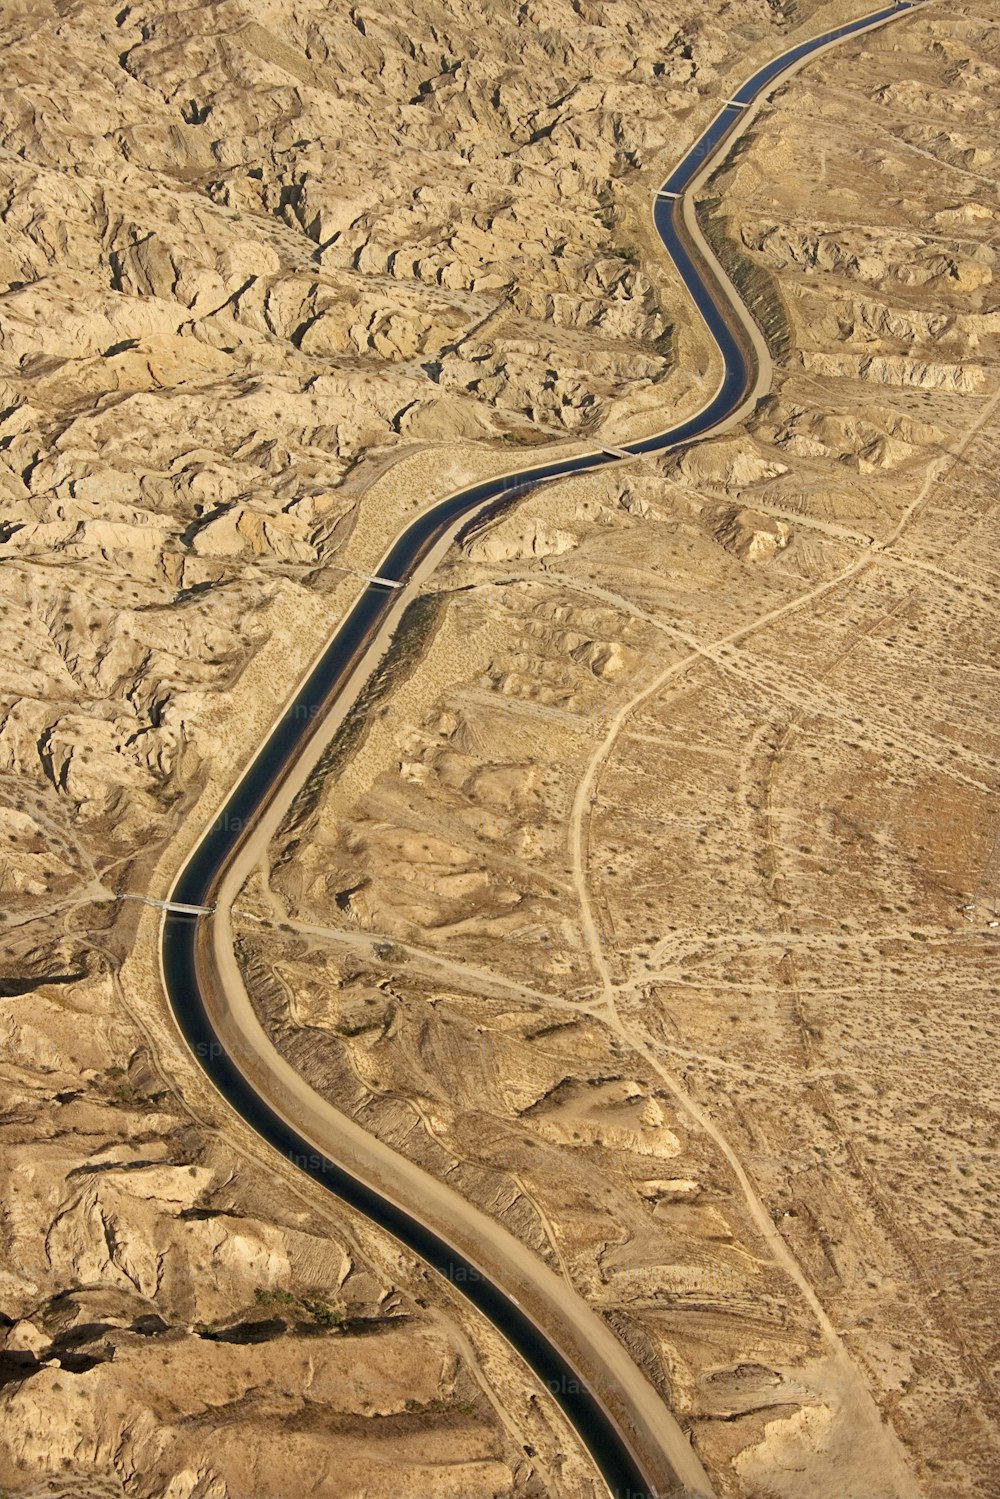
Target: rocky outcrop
[{"x": 751, "y": 536}]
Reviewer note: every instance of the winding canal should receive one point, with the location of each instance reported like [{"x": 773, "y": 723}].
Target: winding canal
[{"x": 630, "y": 1454}]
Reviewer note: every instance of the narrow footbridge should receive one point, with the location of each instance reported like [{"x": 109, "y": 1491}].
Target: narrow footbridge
[{"x": 175, "y": 907}]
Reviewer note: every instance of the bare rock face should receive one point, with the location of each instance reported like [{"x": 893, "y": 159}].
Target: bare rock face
[
  {"x": 65, "y": 1410},
  {"x": 751, "y": 536},
  {"x": 522, "y": 540}
]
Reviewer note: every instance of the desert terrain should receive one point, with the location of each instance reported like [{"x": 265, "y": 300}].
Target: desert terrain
[{"x": 647, "y": 897}]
